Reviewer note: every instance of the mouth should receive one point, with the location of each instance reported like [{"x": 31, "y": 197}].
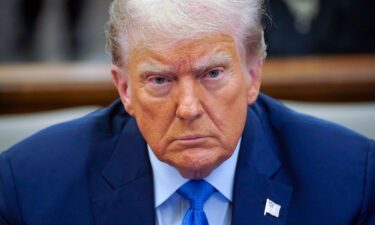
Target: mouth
[
  {"x": 191, "y": 137},
  {"x": 190, "y": 140}
]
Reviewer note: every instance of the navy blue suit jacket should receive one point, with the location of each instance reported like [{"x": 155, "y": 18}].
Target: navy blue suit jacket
[{"x": 95, "y": 170}]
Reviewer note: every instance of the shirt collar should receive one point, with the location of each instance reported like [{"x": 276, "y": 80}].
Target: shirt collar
[{"x": 167, "y": 179}]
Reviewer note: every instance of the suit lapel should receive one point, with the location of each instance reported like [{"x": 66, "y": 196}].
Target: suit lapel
[
  {"x": 256, "y": 177},
  {"x": 130, "y": 200}
]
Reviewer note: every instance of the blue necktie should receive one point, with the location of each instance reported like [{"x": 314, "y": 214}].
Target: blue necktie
[{"x": 197, "y": 192}]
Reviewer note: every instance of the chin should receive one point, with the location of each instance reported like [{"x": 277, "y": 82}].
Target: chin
[
  {"x": 199, "y": 167},
  {"x": 195, "y": 175}
]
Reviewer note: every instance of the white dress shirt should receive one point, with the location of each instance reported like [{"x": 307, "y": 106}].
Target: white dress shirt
[{"x": 171, "y": 207}]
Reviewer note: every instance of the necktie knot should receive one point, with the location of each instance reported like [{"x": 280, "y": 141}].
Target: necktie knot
[{"x": 197, "y": 192}]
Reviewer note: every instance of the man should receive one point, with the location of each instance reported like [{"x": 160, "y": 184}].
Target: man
[{"x": 196, "y": 144}]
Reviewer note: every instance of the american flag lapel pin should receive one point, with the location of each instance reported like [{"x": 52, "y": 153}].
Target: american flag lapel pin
[{"x": 272, "y": 208}]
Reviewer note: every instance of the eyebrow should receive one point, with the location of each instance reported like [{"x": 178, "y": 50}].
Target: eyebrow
[
  {"x": 211, "y": 60},
  {"x": 215, "y": 59},
  {"x": 146, "y": 68}
]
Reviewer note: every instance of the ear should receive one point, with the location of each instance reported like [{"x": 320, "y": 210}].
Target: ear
[
  {"x": 254, "y": 82},
  {"x": 122, "y": 85}
]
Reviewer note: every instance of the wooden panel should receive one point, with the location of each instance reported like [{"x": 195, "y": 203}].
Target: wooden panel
[
  {"x": 321, "y": 79},
  {"x": 36, "y": 87}
]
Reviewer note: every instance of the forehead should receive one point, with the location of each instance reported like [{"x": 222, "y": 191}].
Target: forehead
[{"x": 219, "y": 47}]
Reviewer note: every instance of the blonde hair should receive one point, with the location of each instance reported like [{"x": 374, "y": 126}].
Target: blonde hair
[{"x": 165, "y": 22}]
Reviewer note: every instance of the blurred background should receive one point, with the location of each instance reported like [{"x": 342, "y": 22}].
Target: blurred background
[
  {"x": 71, "y": 30},
  {"x": 53, "y": 64},
  {"x": 317, "y": 27},
  {"x": 53, "y": 30}
]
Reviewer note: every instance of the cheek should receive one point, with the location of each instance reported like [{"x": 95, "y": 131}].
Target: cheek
[
  {"x": 228, "y": 108},
  {"x": 233, "y": 97},
  {"x": 230, "y": 114},
  {"x": 153, "y": 116}
]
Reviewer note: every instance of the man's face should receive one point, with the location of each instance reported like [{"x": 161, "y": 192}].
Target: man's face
[{"x": 189, "y": 100}]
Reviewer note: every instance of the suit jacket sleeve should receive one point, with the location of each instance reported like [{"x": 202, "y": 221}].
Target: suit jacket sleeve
[
  {"x": 368, "y": 209},
  {"x": 9, "y": 208}
]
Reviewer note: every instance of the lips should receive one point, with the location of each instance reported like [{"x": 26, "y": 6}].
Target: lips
[
  {"x": 192, "y": 140},
  {"x": 191, "y": 137}
]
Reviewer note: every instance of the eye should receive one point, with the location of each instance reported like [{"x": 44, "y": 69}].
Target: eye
[
  {"x": 158, "y": 80},
  {"x": 214, "y": 73},
  {"x": 158, "y": 85}
]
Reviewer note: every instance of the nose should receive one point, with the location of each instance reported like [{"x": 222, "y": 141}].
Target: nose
[{"x": 188, "y": 101}]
